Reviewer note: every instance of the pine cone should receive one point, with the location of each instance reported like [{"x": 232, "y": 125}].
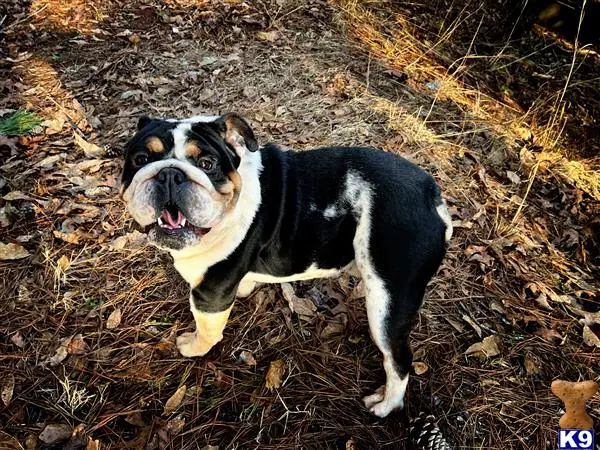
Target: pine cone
[{"x": 425, "y": 434}]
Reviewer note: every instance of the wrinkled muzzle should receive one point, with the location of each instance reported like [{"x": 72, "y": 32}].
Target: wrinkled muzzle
[{"x": 178, "y": 199}]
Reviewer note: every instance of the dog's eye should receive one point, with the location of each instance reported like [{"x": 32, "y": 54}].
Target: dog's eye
[
  {"x": 206, "y": 164},
  {"x": 140, "y": 159}
]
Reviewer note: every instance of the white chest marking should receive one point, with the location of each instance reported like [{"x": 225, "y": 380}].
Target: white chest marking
[{"x": 222, "y": 240}]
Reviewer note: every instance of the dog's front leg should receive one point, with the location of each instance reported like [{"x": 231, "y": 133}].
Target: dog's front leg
[{"x": 209, "y": 331}]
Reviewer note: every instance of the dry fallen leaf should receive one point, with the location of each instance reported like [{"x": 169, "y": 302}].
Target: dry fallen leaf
[
  {"x": 8, "y": 387},
  {"x": 8, "y": 213},
  {"x": 300, "y": 306},
  {"x": 90, "y": 150},
  {"x": 16, "y": 195},
  {"x": 590, "y": 338},
  {"x": 63, "y": 264},
  {"x": 513, "y": 177},
  {"x": 549, "y": 335},
  {"x": 54, "y": 125},
  {"x": 471, "y": 322},
  {"x": 77, "y": 346},
  {"x": 61, "y": 352},
  {"x": 486, "y": 348},
  {"x": 12, "y": 251},
  {"x": 456, "y": 325},
  {"x": 335, "y": 326},
  {"x": 275, "y": 374},
  {"x": 420, "y": 367},
  {"x": 114, "y": 320},
  {"x": 93, "y": 445},
  {"x": 53, "y": 434},
  {"x": 18, "y": 340},
  {"x": 248, "y": 358},
  {"x": 49, "y": 161},
  {"x": 269, "y": 36},
  {"x": 479, "y": 253},
  {"x": 174, "y": 401},
  {"x": 71, "y": 238},
  {"x": 175, "y": 425},
  {"x": 130, "y": 240},
  {"x": 530, "y": 366}
]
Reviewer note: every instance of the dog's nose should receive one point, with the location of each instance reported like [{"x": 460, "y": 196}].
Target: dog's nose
[{"x": 171, "y": 176}]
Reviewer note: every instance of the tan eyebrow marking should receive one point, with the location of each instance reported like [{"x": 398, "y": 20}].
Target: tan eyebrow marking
[
  {"x": 191, "y": 150},
  {"x": 155, "y": 145}
]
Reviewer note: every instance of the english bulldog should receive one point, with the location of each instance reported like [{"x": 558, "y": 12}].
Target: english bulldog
[{"x": 232, "y": 214}]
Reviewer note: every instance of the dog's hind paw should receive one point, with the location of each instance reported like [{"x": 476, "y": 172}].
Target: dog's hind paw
[
  {"x": 373, "y": 399},
  {"x": 381, "y": 403}
]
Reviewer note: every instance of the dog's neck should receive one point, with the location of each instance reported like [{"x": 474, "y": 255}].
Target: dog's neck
[{"x": 192, "y": 262}]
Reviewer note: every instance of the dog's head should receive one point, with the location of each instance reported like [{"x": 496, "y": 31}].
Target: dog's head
[{"x": 180, "y": 178}]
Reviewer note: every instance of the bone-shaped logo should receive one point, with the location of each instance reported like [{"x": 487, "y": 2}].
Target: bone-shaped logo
[{"x": 574, "y": 395}]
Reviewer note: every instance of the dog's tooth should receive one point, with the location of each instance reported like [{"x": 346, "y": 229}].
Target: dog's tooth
[
  {"x": 160, "y": 222},
  {"x": 183, "y": 222}
]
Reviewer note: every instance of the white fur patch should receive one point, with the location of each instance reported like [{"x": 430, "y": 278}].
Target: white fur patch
[
  {"x": 442, "y": 210},
  {"x": 331, "y": 212},
  {"x": 359, "y": 194},
  {"x": 180, "y": 139},
  {"x": 245, "y": 288},
  {"x": 391, "y": 395},
  {"x": 195, "y": 119},
  {"x": 310, "y": 273},
  {"x": 192, "y": 262}
]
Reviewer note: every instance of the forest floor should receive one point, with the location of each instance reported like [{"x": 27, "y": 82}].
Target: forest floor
[{"x": 505, "y": 118}]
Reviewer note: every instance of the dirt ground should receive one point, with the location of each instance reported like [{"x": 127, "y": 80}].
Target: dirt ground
[{"x": 505, "y": 118}]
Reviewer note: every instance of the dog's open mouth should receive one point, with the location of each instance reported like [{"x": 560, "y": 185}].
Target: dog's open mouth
[{"x": 173, "y": 220}]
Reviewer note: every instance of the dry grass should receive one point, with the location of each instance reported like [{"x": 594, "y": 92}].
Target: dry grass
[{"x": 517, "y": 244}]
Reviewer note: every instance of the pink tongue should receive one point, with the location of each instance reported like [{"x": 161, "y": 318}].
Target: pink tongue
[{"x": 173, "y": 223}]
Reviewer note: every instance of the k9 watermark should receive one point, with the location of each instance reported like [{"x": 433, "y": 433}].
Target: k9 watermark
[{"x": 575, "y": 439}]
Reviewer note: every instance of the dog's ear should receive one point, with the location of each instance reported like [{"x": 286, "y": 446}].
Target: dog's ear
[
  {"x": 143, "y": 121},
  {"x": 237, "y": 132}
]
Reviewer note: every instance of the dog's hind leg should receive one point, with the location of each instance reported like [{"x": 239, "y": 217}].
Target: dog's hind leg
[
  {"x": 390, "y": 330},
  {"x": 395, "y": 269},
  {"x": 390, "y": 327}
]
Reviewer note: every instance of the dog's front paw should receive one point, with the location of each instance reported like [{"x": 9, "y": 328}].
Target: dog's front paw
[{"x": 189, "y": 345}]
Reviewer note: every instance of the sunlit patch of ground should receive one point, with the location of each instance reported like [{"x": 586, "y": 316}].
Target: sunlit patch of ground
[{"x": 79, "y": 16}]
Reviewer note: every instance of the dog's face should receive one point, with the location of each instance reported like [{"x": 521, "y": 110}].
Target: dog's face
[{"x": 180, "y": 177}]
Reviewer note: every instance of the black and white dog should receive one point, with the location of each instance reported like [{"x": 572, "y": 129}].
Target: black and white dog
[{"x": 232, "y": 214}]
